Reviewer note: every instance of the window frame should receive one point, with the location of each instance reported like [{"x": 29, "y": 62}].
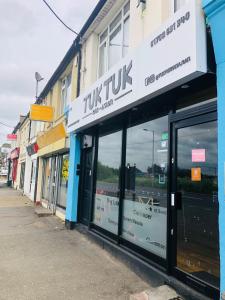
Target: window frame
[
  {"x": 124, "y": 17},
  {"x": 64, "y": 101},
  {"x": 174, "y": 5}
]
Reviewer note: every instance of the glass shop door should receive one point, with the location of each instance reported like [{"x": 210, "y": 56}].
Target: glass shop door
[{"x": 194, "y": 203}]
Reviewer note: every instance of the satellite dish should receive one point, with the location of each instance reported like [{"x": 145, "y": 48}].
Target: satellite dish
[{"x": 38, "y": 76}]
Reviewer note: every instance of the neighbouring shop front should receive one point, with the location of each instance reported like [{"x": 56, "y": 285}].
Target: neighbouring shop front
[
  {"x": 148, "y": 177},
  {"x": 31, "y": 171},
  {"x": 55, "y": 181},
  {"x": 14, "y": 156},
  {"x": 53, "y": 164}
]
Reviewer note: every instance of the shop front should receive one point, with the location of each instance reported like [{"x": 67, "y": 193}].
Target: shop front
[
  {"x": 31, "y": 171},
  {"x": 146, "y": 133},
  {"x": 55, "y": 181},
  {"x": 54, "y": 158},
  {"x": 14, "y": 156}
]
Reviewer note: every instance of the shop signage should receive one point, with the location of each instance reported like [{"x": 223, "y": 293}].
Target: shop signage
[
  {"x": 11, "y": 137},
  {"x": 32, "y": 149},
  {"x": 173, "y": 55},
  {"x": 41, "y": 113},
  {"x": 53, "y": 135}
]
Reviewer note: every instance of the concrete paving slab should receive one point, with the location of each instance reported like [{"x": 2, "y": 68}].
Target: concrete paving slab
[
  {"x": 40, "y": 259},
  {"x": 42, "y": 212}
]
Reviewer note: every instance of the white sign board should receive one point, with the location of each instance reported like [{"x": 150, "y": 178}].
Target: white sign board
[{"x": 173, "y": 55}]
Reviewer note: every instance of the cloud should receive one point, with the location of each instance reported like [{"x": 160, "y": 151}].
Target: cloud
[{"x": 32, "y": 39}]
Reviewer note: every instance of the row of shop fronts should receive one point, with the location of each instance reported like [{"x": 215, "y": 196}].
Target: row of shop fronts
[
  {"x": 141, "y": 163},
  {"x": 40, "y": 169}
]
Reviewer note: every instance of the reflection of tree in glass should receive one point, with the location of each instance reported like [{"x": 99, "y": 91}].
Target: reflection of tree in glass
[
  {"x": 107, "y": 174},
  {"x": 205, "y": 186}
]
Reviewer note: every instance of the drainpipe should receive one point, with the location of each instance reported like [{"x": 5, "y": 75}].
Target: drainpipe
[{"x": 79, "y": 69}]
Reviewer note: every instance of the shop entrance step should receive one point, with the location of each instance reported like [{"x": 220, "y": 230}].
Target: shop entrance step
[
  {"x": 43, "y": 212},
  {"x": 163, "y": 292}
]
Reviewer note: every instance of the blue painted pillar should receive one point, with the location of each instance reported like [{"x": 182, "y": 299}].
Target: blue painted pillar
[
  {"x": 73, "y": 182},
  {"x": 215, "y": 11}
]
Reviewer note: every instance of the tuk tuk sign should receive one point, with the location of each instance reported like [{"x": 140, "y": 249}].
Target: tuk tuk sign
[
  {"x": 41, "y": 113},
  {"x": 170, "y": 57}
]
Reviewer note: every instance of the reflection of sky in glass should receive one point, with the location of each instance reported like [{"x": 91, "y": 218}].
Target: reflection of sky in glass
[
  {"x": 140, "y": 142},
  {"x": 203, "y": 136},
  {"x": 109, "y": 150}
]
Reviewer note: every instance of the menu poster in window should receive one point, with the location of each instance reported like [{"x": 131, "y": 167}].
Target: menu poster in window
[{"x": 196, "y": 174}]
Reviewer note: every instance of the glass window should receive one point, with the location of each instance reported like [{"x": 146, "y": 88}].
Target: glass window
[
  {"x": 103, "y": 36},
  {"x": 126, "y": 29},
  {"x": 63, "y": 180},
  {"x": 107, "y": 184},
  {"x": 102, "y": 59},
  {"x": 179, "y": 3},
  {"x": 46, "y": 178},
  {"x": 145, "y": 203},
  {"x": 115, "y": 45},
  {"x": 115, "y": 22},
  {"x": 65, "y": 92},
  {"x": 126, "y": 8},
  {"x": 197, "y": 220}
]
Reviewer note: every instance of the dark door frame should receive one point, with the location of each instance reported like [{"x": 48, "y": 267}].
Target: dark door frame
[
  {"x": 190, "y": 117},
  {"x": 82, "y": 183}
]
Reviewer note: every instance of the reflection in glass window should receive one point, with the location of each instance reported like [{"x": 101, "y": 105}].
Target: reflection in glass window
[
  {"x": 63, "y": 180},
  {"x": 197, "y": 221},
  {"x": 145, "y": 204},
  {"x": 46, "y": 178},
  {"x": 65, "y": 92},
  {"x": 102, "y": 59},
  {"x": 114, "y": 40},
  {"x": 107, "y": 184},
  {"x": 126, "y": 29}
]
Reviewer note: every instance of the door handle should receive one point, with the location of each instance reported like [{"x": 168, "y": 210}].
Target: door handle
[{"x": 176, "y": 200}]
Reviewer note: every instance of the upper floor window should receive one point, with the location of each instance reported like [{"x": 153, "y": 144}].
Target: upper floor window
[
  {"x": 178, "y": 4},
  {"x": 65, "y": 92},
  {"x": 114, "y": 40}
]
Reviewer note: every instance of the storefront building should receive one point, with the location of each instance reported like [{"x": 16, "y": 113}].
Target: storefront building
[
  {"x": 13, "y": 164},
  {"x": 53, "y": 157},
  {"x": 24, "y": 140},
  {"x": 52, "y": 140},
  {"x": 143, "y": 167}
]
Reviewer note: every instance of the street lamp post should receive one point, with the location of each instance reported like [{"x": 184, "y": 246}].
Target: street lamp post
[{"x": 153, "y": 150}]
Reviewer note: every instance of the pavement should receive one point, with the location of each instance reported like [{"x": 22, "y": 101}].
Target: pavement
[{"x": 40, "y": 259}]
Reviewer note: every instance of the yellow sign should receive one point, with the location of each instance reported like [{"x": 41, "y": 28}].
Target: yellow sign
[
  {"x": 196, "y": 174},
  {"x": 41, "y": 113},
  {"x": 53, "y": 135},
  {"x": 65, "y": 169}
]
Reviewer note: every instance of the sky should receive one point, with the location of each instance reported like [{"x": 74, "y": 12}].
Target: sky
[{"x": 32, "y": 39}]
